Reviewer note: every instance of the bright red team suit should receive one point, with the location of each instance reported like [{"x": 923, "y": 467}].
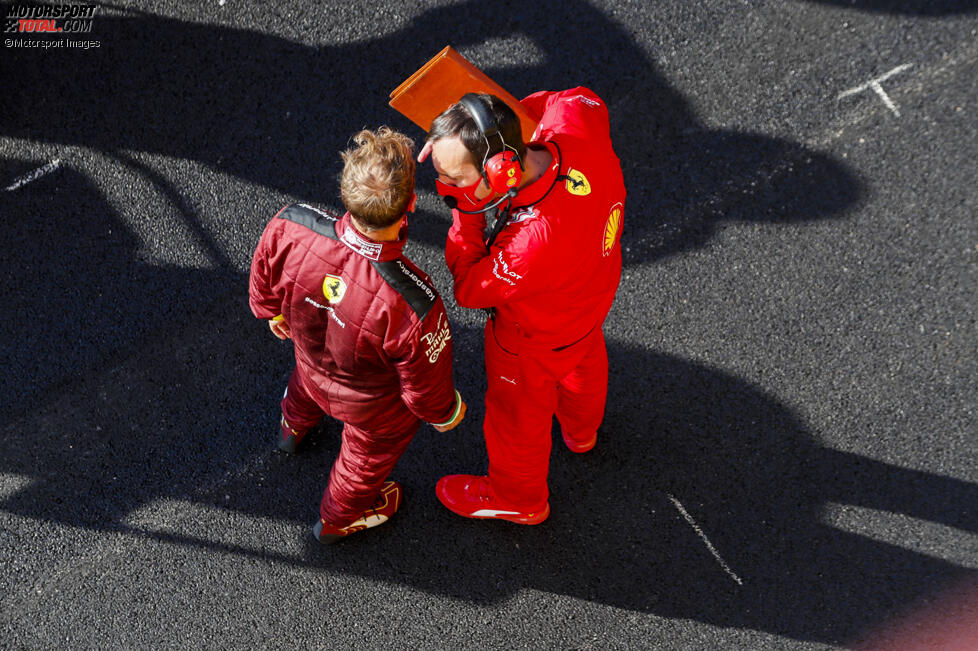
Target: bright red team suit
[
  {"x": 372, "y": 344},
  {"x": 551, "y": 278}
]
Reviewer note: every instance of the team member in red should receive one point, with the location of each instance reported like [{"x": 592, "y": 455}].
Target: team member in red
[
  {"x": 549, "y": 277},
  {"x": 372, "y": 341}
]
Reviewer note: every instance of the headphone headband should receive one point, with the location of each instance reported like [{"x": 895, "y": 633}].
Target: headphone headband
[
  {"x": 481, "y": 113},
  {"x": 500, "y": 171}
]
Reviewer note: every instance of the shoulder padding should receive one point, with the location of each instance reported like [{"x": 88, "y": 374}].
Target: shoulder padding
[
  {"x": 418, "y": 293},
  {"x": 313, "y": 218}
]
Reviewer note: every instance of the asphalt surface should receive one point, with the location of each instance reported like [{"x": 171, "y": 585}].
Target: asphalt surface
[{"x": 790, "y": 453}]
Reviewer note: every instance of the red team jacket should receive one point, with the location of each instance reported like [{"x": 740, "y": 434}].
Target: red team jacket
[
  {"x": 553, "y": 271},
  {"x": 370, "y": 332}
]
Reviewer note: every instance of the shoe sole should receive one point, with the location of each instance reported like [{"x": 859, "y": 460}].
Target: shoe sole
[
  {"x": 531, "y": 519},
  {"x": 535, "y": 517},
  {"x": 290, "y": 445},
  {"x": 325, "y": 538}
]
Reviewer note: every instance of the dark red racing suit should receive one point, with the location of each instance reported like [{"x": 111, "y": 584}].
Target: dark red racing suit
[
  {"x": 551, "y": 278},
  {"x": 372, "y": 344}
]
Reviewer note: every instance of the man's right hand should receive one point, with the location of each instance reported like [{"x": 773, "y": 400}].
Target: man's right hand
[
  {"x": 280, "y": 328},
  {"x": 458, "y": 418}
]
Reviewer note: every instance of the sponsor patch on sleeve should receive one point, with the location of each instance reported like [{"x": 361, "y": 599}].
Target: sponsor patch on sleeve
[
  {"x": 436, "y": 340},
  {"x": 612, "y": 229},
  {"x": 420, "y": 295},
  {"x": 501, "y": 270},
  {"x": 311, "y": 217}
]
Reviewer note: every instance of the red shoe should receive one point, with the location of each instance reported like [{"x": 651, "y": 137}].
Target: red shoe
[
  {"x": 470, "y": 497},
  {"x": 386, "y": 505},
  {"x": 291, "y": 438},
  {"x": 580, "y": 446}
]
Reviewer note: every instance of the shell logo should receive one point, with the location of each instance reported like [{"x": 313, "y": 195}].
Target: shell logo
[
  {"x": 612, "y": 229},
  {"x": 334, "y": 288}
]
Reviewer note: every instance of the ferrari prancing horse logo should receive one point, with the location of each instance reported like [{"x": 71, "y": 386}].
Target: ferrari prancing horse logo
[
  {"x": 334, "y": 288},
  {"x": 612, "y": 229},
  {"x": 577, "y": 183}
]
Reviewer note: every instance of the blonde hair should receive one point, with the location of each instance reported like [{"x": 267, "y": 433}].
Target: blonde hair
[{"x": 378, "y": 177}]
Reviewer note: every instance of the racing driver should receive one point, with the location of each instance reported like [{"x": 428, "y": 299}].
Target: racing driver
[{"x": 372, "y": 341}]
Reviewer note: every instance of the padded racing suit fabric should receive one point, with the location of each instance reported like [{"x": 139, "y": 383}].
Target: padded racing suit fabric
[
  {"x": 551, "y": 277},
  {"x": 372, "y": 344}
]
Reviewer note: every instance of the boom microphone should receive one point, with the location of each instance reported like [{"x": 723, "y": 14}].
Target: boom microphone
[{"x": 452, "y": 203}]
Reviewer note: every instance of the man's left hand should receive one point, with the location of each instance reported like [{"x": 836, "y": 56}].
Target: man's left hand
[{"x": 280, "y": 328}]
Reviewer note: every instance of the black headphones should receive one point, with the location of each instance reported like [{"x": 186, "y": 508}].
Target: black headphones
[{"x": 502, "y": 171}]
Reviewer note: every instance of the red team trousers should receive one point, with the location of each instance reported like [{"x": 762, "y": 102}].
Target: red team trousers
[
  {"x": 527, "y": 387},
  {"x": 368, "y": 452}
]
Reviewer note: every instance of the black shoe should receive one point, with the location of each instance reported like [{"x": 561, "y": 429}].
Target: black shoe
[
  {"x": 289, "y": 439},
  {"x": 326, "y": 538}
]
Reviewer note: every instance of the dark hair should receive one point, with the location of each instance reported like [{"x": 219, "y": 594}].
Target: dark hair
[{"x": 457, "y": 121}]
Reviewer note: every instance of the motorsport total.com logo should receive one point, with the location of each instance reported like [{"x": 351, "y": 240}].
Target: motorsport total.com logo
[{"x": 49, "y": 19}]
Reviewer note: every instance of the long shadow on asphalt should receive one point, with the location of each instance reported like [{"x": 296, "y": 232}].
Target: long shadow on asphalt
[
  {"x": 174, "y": 418},
  {"x": 910, "y": 7},
  {"x": 276, "y": 112},
  {"x": 78, "y": 288},
  {"x": 741, "y": 464},
  {"x": 125, "y": 419}
]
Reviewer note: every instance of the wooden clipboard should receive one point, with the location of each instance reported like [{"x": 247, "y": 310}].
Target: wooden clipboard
[{"x": 441, "y": 82}]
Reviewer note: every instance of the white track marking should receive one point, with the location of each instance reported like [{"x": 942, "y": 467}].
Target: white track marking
[
  {"x": 709, "y": 545},
  {"x": 33, "y": 176},
  {"x": 874, "y": 84}
]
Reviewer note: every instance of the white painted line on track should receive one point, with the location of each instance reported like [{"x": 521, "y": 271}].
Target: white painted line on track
[
  {"x": 709, "y": 545},
  {"x": 33, "y": 176},
  {"x": 874, "y": 84}
]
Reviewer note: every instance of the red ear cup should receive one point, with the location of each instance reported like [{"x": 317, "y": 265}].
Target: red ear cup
[{"x": 503, "y": 171}]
